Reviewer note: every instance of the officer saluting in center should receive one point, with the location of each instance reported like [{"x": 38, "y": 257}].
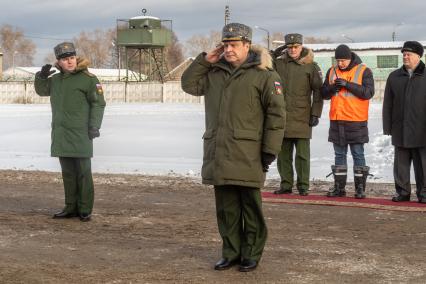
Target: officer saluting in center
[
  {"x": 245, "y": 119},
  {"x": 78, "y": 104}
]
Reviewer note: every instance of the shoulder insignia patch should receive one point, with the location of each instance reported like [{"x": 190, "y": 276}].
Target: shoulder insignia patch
[
  {"x": 99, "y": 89},
  {"x": 278, "y": 88}
]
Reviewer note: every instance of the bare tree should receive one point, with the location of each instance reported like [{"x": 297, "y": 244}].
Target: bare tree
[
  {"x": 199, "y": 43},
  {"x": 50, "y": 58},
  {"x": 174, "y": 53},
  {"x": 101, "y": 48},
  {"x": 17, "y": 50},
  {"x": 98, "y": 46}
]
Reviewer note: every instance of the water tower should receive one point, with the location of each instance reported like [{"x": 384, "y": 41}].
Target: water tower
[{"x": 144, "y": 39}]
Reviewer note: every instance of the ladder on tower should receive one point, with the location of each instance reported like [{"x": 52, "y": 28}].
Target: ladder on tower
[{"x": 159, "y": 66}]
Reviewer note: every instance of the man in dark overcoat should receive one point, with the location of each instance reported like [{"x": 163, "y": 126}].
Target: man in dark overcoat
[{"x": 404, "y": 118}]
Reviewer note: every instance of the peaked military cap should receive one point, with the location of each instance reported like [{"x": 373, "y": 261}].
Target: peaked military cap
[
  {"x": 64, "y": 49},
  {"x": 236, "y": 31},
  {"x": 292, "y": 39}
]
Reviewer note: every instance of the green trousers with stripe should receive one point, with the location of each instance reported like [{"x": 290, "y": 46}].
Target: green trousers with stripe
[
  {"x": 302, "y": 163},
  {"x": 78, "y": 184},
  {"x": 240, "y": 221}
]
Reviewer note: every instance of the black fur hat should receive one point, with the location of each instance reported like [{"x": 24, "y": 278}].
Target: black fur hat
[{"x": 413, "y": 46}]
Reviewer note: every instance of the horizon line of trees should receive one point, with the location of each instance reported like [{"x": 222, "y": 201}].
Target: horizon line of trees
[{"x": 99, "y": 46}]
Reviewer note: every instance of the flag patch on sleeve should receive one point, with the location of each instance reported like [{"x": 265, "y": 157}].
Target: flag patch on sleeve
[{"x": 278, "y": 88}]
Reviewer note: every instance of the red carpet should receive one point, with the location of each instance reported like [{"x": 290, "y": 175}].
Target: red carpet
[{"x": 369, "y": 202}]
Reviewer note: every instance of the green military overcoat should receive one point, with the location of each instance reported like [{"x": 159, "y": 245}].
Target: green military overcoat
[
  {"x": 302, "y": 82},
  {"x": 245, "y": 115},
  {"x": 77, "y": 103}
]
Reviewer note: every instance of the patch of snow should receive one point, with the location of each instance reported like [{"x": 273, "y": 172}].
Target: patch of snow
[{"x": 161, "y": 139}]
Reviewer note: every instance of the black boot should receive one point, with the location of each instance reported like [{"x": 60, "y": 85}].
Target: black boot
[
  {"x": 340, "y": 173},
  {"x": 421, "y": 195},
  {"x": 360, "y": 177}
]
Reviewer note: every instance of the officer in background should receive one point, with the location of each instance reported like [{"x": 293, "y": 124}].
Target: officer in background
[
  {"x": 78, "y": 104},
  {"x": 302, "y": 82},
  {"x": 245, "y": 119},
  {"x": 349, "y": 86}
]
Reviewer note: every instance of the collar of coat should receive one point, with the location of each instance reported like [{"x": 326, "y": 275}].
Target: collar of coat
[
  {"x": 258, "y": 57},
  {"x": 82, "y": 65},
  {"x": 420, "y": 69},
  {"x": 306, "y": 56}
]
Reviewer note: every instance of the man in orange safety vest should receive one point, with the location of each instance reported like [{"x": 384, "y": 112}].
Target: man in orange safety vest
[{"x": 349, "y": 86}]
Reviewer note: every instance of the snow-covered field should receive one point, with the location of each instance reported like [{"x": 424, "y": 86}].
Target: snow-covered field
[{"x": 159, "y": 139}]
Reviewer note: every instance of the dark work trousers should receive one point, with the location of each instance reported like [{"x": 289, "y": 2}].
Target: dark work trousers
[
  {"x": 301, "y": 163},
  {"x": 401, "y": 170},
  {"x": 78, "y": 184},
  {"x": 340, "y": 154},
  {"x": 240, "y": 221}
]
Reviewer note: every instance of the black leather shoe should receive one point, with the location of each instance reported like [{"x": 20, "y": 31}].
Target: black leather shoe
[
  {"x": 401, "y": 198},
  {"x": 225, "y": 263},
  {"x": 248, "y": 265},
  {"x": 64, "y": 215},
  {"x": 303, "y": 192},
  {"x": 85, "y": 217},
  {"x": 422, "y": 200},
  {"x": 283, "y": 191}
]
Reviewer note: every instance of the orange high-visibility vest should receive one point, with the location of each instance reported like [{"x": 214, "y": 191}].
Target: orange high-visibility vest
[{"x": 345, "y": 105}]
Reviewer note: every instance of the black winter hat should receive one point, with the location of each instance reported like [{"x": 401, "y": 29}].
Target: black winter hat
[
  {"x": 343, "y": 52},
  {"x": 413, "y": 46}
]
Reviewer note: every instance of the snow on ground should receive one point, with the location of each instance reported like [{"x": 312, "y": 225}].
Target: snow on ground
[{"x": 160, "y": 139}]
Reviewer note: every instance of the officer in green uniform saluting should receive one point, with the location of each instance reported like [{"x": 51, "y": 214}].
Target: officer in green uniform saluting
[
  {"x": 78, "y": 104},
  {"x": 245, "y": 119}
]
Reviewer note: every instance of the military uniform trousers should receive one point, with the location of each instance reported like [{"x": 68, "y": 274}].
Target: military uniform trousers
[
  {"x": 401, "y": 170},
  {"x": 78, "y": 184},
  {"x": 302, "y": 163},
  {"x": 240, "y": 221}
]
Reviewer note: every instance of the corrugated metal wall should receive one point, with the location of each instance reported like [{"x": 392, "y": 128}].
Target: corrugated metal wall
[{"x": 121, "y": 92}]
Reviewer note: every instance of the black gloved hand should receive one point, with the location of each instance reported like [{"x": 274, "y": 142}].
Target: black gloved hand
[
  {"x": 267, "y": 160},
  {"x": 339, "y": 82},
  {"x": 45, "y": 71},
  {"x": 93, "y": 133},
  {"x": 277, "y": 52},
  {"x": 313, "y": 121},
  {"x": 334, "y": 88}
]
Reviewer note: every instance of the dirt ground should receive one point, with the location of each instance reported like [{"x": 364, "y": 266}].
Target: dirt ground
[{"x": 163, "y": 230}]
